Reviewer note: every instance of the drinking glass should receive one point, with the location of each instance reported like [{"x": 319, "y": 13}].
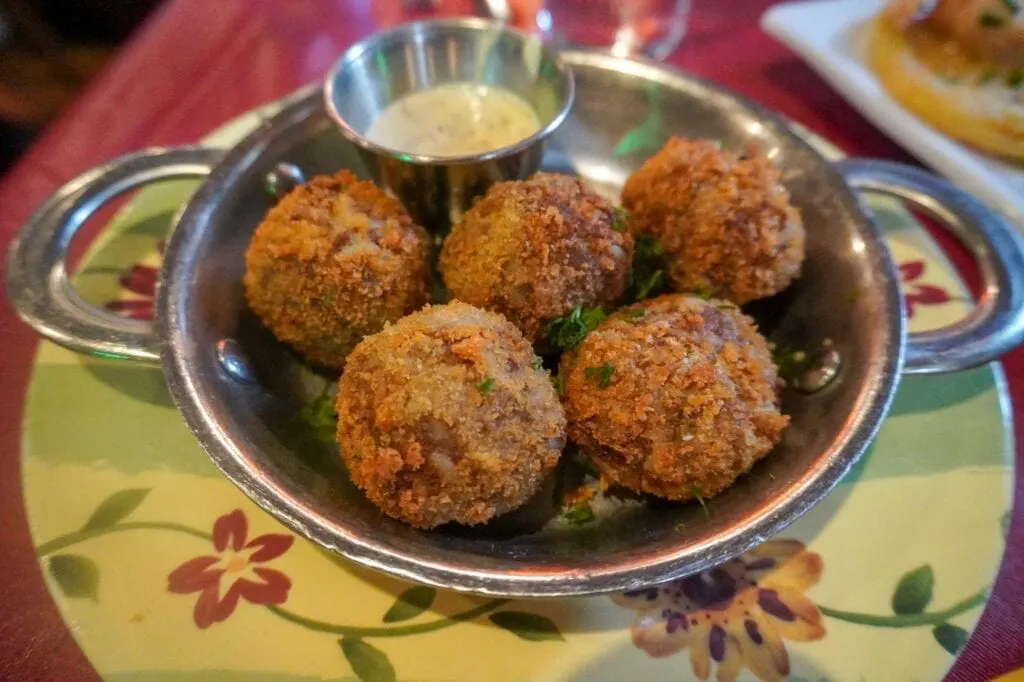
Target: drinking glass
[{"x": 650, "y": 27}]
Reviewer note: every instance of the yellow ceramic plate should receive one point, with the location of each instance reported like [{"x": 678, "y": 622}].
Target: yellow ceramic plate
[{"x": 164, "y": 571}]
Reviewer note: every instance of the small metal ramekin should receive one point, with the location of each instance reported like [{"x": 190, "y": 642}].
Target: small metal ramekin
[{"x": 377, "y": 71}]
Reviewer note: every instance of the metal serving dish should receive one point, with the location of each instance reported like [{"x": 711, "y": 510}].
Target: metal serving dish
[{"x": 240, "y": 391}]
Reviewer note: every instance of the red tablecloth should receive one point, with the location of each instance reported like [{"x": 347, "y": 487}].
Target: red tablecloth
[{"x": 198, "y": 63}]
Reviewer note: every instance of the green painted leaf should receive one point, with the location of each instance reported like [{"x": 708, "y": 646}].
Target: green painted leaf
[
  {"x": 914, "y": 591},
  {"x": 527, "y": 626},
  {"x": 951, "y": 637},
  {"x": 116, "y": 507},
  {"x": 410, "y": 604},
  {"x": 369, "y": 663},
  {"x": 76, "y": 575}
]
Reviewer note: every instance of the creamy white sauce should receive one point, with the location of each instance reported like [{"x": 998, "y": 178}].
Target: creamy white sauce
[{"x": 455, "y": 119}]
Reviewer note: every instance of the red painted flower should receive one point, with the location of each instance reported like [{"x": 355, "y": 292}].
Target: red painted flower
[
  {"x": 140, "y": 281},
  {"x": 234, "y": 572},
  {"x": 915, "y": 293}
]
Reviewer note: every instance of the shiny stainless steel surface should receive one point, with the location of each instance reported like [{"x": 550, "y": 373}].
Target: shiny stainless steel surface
[
  {"x": 36, "y": 268},
  {"x": 240, "y": 391},
  {"x": 377, "y": 71},
  {"x": 996, "y": 325}
]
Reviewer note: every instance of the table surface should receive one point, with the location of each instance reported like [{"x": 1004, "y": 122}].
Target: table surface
[{"x": 196, "y": 64}]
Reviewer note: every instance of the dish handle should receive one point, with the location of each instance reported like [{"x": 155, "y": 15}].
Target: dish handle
[
  {"x": 37, "y": 276},
  {"x": 996, "y": 325}
]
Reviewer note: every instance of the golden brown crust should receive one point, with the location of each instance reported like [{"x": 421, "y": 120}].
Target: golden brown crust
[
  {"x": 332, "y": 262},
  {"x": 725, "y": 221},
  {"x": 534, "y": 250},
  {"x": 423, "y": 435},
  {"x": 691, "y": 404}
]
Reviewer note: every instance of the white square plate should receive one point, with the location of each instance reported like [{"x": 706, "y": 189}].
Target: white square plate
[{"x": 830, "y": 35}]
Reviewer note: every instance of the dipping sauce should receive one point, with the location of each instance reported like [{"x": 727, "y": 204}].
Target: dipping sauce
[{"x": 455, "y": 119}]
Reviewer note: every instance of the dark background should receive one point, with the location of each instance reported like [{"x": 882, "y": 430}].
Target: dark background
[{"x": 49, "y": 51}]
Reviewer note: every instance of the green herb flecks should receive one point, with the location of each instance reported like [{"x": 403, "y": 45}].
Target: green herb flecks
[
  {"x": 568, "y": 331},
  {"x": 621, "y": 221},
  {"x": 698, "y": 494},
  {"x": 648, "y": 278},
  {"x": 788, "y": 360},
  {"x": 987, "y": 77},
  {"x": 580, "y": 514},
  {"x": 991, "y": 20},
  {"x": 634, "y": 313},
  {"x": 537, "y": 363},
  {"x": 1015, "y": 78},
  {"x": 582, "y": 462},
  {"x": 486, "y": 386},
  {"x": 704, "y": 294},
  {"x": 558, "y": 383},
  {"x": 320, "y": 412},
  {"x": 603, "y": 374},
  {"x": 648, "y": 286}
]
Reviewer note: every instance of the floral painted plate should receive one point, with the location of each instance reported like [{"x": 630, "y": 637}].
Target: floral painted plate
[{"x": 164, "y": 571}]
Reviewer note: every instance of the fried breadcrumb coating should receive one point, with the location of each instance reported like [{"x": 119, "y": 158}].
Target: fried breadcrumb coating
[
  {"x": 335, "y": 260},
  {"x": 536, "y": 249},
  {"x": 446, "y": 416},
  {"x": 675, "y": 397},
  {"x": 724, "y": 220}
]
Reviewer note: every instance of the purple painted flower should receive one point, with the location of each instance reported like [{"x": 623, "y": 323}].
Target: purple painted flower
[{"x": 735, "y": 615}]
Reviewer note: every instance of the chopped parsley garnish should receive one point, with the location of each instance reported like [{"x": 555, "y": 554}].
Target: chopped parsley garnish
[
  {"x": 991, "y": 20},
  {"x": 788, "y": 360},
  {"x": 580, "y": 514},
  {"x": 603, "y": 373},
  {"x": 1015, "y": 79},
  {"x": 320, "y": 412},
  {"x": 559, "y": 383},
  {"x": 537, "y": 363},
  {"x": 1012, "y": 5},
  {"x": 621, "y": 221},
  {"x": 568, "y": 331},
  {"x": 634, "y": 313},
  {"x": 648, "y": 268},
  {"x": 649, "y": 247},
  {"x": 701, "y": 293},
  {"x": 647, "y": 286},
  {"x": 487, "y": 385},
  {"x": 699, "y": 495},
  {"x": 582, "y": 462},
  {"x": 987, "y": 77}
]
